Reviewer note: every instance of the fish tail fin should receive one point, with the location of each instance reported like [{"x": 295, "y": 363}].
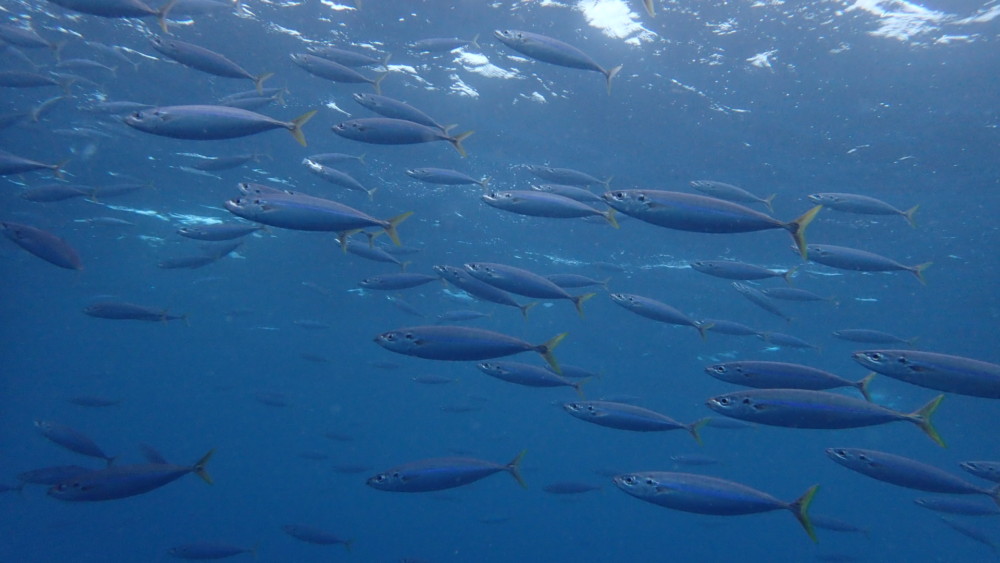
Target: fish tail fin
[
  {"x": 525, "y": 308},
  {"x": 863, "y": 384},
  {"x": 475, "y": 41},
  {"x": 361, "y": 159},
  {"x": 702, "y": 327},
  {"x": 390, "y": 229},
  {"x": 578, "y": 302},
  {"x": 995, "y": 494},
  {"x": 922, "y": 417},
  {"x": 607, "y": 182},
  {"x": 111, "y": 460},
  {"x": 578, "y": 387},
  {"x": 918, "y": 271},
  {"x": 403, "y": 265},
  {"x": 768, "y": 201},
  {"x": 908, "y": 214},
  {"x": 199, "y": 467},
  {"x": 605, "y": 282},
  {"x": 610, "y": 74},
  {"x": 648, "y": 4},
  {"x": 343, "y": 236},
  {"x": 348, "y": 544},
  {"x": 371, "y": 194},
  {"x": 57, "y": 168},
  {"x": 377, "y": 83},
  {"x": 514, "y": 468},
  {"x": 161, "y": 15},
  {"x": 695, "y": 428},
  {"x": 800, "y": 508},
  {"x": 546, "y": 351},
  {"x": 258, "y": 81},
  {"x": 385, "y": 61},
  {"x": 911, "y": 341},
  {"x": 457, "y": 142},
  {"x": 610, "y": 216},
  {"x": 297, "y": 124},
  {"x": 485, "y": 182},
  {"x": 787, "y": 276},
  {"x": 798, "y": 226}
]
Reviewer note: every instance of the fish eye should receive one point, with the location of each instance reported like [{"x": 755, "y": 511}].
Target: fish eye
[
  {"x": 718, "y": 369},
  {"x": 628, "y": 480},
  {"x": 378, "y": 478},
  {"x": 724, "y": 401},
  {"x": 395, "y": 475},
  {"x": 876, "y": 356},
  {"x": 746, "y": 400},
  {"x": 642, "y": 197},
  {"x": 650, "y": 481}
]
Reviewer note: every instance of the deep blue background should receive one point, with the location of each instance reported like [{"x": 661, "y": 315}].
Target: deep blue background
[{"x": 922, "y": 115}]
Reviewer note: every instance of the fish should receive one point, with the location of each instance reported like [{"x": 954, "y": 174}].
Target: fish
[
  {"x": 391, "y": 282},
  {"x": 942, "y": 372},
  {"x": 844, "y": 258},
  {"x": 567, "y": 176},
  {"x": 24, "y": 37},
  {"x": 335, "y": 157},
  {"x": 835, "y": 524},
  {"x": 308, "y": 213},
  {"x": 373, "y": 253},
  {"x": 445, "y": 176},
  {"x": 437, "y": 474},
  {"x": 25, "y": 79},
  {"x": 337, "y": 177},
  {"x": 218, "y": 231},
  {"x": 389, "y": 131},
  {"x": 94, "y": 401},
  {"x": 523, "y": 282},
  {"x": 731, "y": 328},
  {"x": 906, "y": 472},
  {"x": 335, "y": 72},
  {"x": 658, "y": 311},
  {"x": 13, "y": 164},
  {"x": 462, "y": 315},
  {"x": 52, "y": 475},
  {"x": 528, "y": 375},
  {"x": 72, "y": 439},
  {"x": 314, "y": 535},
  {"x": 695, "y": 213},
  {"x": 442, "y": 44},
  {"x": 702, "y": 494},
  {"x": 575, "y": 281},
  {"x": 49, "y": 193},
  {"x": 795, "y": 294},
  {"x": 552, "y": 51},
  {"x": 569, "y": 488},
  {"x": 732, "y": 270},
  {"x": 42, "y": 244},
  {"x": 223, "y": 162},
  {"x": 869, "y": 336},
  {"x": 582, "y": 195},
  {"x": 396, "y": 109},
  {"x": 694, "y": 459},
  {"x": 759, "y": 299},
  {"x": 862, "y": 204},
  {"x": 783, "y": 340},
  {"x": 800, "y": 408},
  {"x": 432, "y": 380},
  {"x": 208, "y": 122},
  {"x": 206, "y": 60},
  {"x": 119, "y": 310},
  {"x": 187, "y": 262},
  {"x": 624, "y": 416},
  {"x": 967, "y": 507},
  {"x": 732, "y": 193},
  {"x": 989, "y": 470},
  {"x": 781, "y": 375},
  {"x": 459, "y": 343},
  {"x": 118, "y": 9},
  {"x": 345, "y": 57},
  {"x": 122, "y": 481},
  {"x": 209, "y": 550},
  {"x": 982, "y": 536},
  {"x": 543, "y": 204}
]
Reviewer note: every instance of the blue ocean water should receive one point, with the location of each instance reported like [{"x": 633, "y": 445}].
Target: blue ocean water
[{"x": 890, "y": 99}]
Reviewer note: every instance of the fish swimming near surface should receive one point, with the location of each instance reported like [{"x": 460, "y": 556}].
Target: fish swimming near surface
[
  {"x": 335, "y": 72},
  {"x": 445, "y": 176},
  {"x": 42, "y": 244},
  {"x": 942, "y": 372},
  {"x": 122, "y": 481},
  {"x": 206, "y": 60},
  {"x": 118, "y": 9},
  {"x": 442, "y": 473},
  {"x": 801, "y": 408},
  {"x": 552, "y": 51},
  {"x": 702, "y": 214},
  {"x": 733, "y": 193},
  {"x": 12, "y": 164},
  {"x": 702, "y": 494},
  {"x": 523, "y": 282},
  {"x": 732, "y": 270},
  {"x": 122, "y": 311},
  {"x": 396, "y": 109},
  {"x": 459, "y": 343},
  {"x": 208, "y": 122}
]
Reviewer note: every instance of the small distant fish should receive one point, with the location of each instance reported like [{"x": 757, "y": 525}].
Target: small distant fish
[
  {"x": 967, "y": 507},
  {"x": 461, "y": 315},
  {"x": 523, "y": 282},
  {"x": 209, "y": 550},
  {"x": 989, "y": 470},
  {"x": 869, "y": 336},
  {"x": 787, "y": 341},
  {"x": 335, "y": 72},
  {"x": 442, "y": 473},
  {"x": 694, "y": 459},
  {"x": 544, "y": 204},
  {"x": 205, "y": 60},
  {"x": 658, "y": 311},
  {"x": 119, "y": 310},
  {"x": 844, "y": 258},
  {"x": 575, "y": 281},
  {"x": 219, "y": 231},
  {"x": 71, "y": 439},
  {"x": 389, "y": 131},
  {"x": 624, "y": 416},
  {"x": 52, "y": 475},
  {"x": 445, "y": 177},
  {"x": 345, "y": 57},
  {"x": 42, "y": 244},
  {"x": 730, "y": 192},
  {"x": 314, "y": 535},
  {"x": 781, "y": 375},
  {"x": 527, "y": 374},
  {"x": 457, "y": 343},
  {"x": 758, "y": 298},
  {"x": 94, "y": 401},
  {"x": 396, "y": 109},
  {"x": 442, "y": 44},
  {"x": 795, "y": 294},
  {"x": 732, "y": 270},
  {"x": 862, "y": 204},
  {"x": 569, "y": 488},
  {"x": 207, "y": 122},
  {"x": 432, "y": 379},
  {"x": 567, "y": 176},
  {"x": 731, "y": 328}
]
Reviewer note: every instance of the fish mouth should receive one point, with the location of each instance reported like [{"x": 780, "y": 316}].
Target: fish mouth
[{"x": 501, "y": 34}]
